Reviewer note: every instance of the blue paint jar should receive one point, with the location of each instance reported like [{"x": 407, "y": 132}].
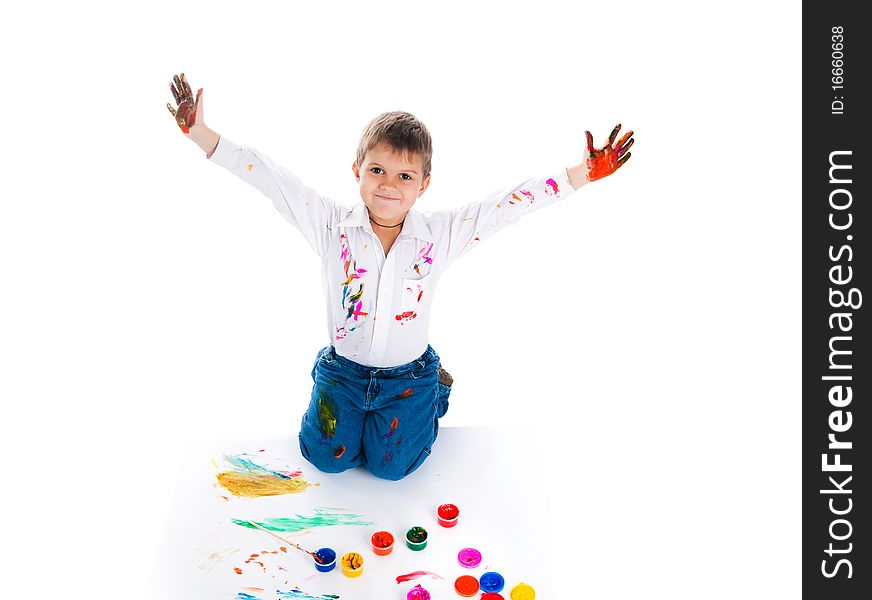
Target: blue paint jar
[{"x": 328, "y": 560}]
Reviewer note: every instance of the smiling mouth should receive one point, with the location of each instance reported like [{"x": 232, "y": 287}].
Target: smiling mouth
[{"x": 385, "y": 197}]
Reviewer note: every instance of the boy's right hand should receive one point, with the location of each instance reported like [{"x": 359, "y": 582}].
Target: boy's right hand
[{"x": 189, "y": 115}]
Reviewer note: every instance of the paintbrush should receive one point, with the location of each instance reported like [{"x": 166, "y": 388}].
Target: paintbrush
[{"x": 288, "y": 542}]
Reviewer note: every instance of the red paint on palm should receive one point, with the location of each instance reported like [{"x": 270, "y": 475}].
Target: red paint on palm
[{"x": 602, "y": 163}]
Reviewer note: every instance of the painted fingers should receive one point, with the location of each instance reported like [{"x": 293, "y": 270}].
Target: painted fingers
[
  {"x": 186, "y": 113},
  {"x": 604, "y": 162}
]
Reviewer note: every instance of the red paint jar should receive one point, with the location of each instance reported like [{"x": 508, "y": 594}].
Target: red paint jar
[
  {"x": 382, "y": 542},
  {"x": 447, "y": 515}
]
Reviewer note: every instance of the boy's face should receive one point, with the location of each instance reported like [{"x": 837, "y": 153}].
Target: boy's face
[{"x": 390, "y": 183}]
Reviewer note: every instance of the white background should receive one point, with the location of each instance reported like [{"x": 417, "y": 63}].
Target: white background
[{"x": 647, "y": 329}]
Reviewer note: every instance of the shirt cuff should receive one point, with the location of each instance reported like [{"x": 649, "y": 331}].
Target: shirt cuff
[
  {"x": 564, "y": 188},
  {"x": 224, "y": 152}
]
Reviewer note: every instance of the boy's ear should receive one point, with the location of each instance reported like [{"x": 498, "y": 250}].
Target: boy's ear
[
  {"x": 356, "y": 170},
  {"x": 424, "y": 185}
]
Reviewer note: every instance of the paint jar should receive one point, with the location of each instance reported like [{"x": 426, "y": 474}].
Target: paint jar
[
  {"x": 327, "y": 557},
  {"x": 469, "y": 558},
  {"x": 466, "y": 585},
  {"x": 382, "y": 542},
  {"x": 418, "y": 593},
  {"x": 352, "y": 564},
  {"x": 522, "y": 591},
  {"x": 447, "y": 515},
  {"x": 491, "y": 582},
  {"x": 416, "y": 538},
  {"x": 492, "y": 596}
]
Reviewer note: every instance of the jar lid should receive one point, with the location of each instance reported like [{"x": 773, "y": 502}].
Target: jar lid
[
  {"x": 469, "y": 558},
  {"x": 492, "y": 582},
  {"x": 466, "y": 585}
]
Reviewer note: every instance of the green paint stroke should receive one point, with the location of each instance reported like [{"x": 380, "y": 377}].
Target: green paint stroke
[
  {"x": 327, "y": 416},
  {"x": 322, "y": 518}
]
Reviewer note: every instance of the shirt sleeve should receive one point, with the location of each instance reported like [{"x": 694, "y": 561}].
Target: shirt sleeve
[
  {"x": 303, "y": 207},
  {"x": 466, "y": 227}
]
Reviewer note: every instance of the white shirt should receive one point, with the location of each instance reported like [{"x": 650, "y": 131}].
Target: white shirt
[{"x": 378, "y": 307}]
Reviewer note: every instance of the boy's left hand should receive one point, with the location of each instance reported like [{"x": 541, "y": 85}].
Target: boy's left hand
[{"x": 604, "y": 162}]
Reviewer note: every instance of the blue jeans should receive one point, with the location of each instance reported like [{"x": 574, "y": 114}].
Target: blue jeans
[{"x": 383, "y": 418}]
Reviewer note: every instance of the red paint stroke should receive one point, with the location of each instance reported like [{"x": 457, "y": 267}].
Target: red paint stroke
[
  {"x": 283, "y": 549},
  {"x": 238, "y": 570},
  {"x": 416, "y": 575},
  {"x": 339, "y": 452},
  {"x": 406, "y": 316},
  {"x": 394, "y": 424},
  {"x": 406, "y": 394}
]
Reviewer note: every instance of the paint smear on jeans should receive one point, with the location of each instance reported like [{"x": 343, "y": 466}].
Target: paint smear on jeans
[
  {"x": 250, "y": 479},
  {"x": 406, "y": 394},
  {"x": 327, "y": 417},
  {"x": 322, "y": 517}
]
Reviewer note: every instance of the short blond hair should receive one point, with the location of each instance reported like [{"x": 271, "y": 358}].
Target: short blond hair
[{"x": 401, "y": 131}]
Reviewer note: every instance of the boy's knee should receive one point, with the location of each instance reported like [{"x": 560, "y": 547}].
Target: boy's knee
[
  {"x": 388, "y": 471},
  {"x": 395, "y": 470},
  {"x": 325, "y": 463}
]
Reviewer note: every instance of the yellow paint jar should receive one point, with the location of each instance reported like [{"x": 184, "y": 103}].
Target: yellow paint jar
[{"x": 352, "y": 564}]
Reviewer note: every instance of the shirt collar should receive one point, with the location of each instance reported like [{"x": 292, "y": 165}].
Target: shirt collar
[{"x": 414, "y": 225}]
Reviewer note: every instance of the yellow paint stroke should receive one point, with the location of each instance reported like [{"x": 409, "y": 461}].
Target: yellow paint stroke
[
  {"x": 253, "y": 485},
  {"x": 250, "y": 167}
]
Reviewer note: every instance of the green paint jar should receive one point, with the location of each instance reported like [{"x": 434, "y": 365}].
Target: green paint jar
[{"x": 416, "y": 538}]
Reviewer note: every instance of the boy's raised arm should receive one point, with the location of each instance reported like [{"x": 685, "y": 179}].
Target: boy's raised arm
[
  {"x": 303, "y": 207},
  {"x": 468, "y": 225}
]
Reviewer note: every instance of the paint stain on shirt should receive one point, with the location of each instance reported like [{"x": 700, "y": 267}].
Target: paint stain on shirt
[
  {"x": 405, "y": 317},
  {"x": 552, "y": 189}
]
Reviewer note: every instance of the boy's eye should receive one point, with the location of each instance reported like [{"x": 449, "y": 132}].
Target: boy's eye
[
  {"x": 406, "y": 176},
  {"x": 376, "y": 170}
]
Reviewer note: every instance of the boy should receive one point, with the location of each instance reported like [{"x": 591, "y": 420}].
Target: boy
[{"x": 379, "y": 389}]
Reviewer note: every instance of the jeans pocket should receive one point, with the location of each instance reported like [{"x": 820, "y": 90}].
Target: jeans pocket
[
  {"x": 326, "y": 356},
  {"x": 442, "y": 392}
]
